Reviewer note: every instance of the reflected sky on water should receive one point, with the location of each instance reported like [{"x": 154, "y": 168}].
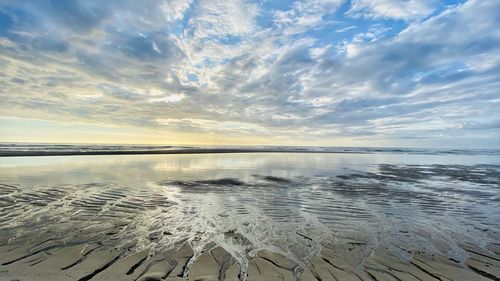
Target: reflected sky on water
[{"x": 269, "y": 200}]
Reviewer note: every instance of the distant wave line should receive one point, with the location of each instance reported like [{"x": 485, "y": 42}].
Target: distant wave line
[{"x": 56, "y": 150}]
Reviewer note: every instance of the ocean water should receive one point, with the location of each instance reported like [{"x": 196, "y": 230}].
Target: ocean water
[
  {"x": 36, "y": 149},
  {"x": 291, "y": 203}
]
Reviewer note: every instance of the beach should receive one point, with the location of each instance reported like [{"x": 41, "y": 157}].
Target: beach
[
  {"x": 251, "y": 216},
  {"x": 237, "y": 140}
]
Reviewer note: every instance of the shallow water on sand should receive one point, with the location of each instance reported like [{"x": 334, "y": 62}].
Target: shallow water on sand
[{"x": 288, "y": 203}]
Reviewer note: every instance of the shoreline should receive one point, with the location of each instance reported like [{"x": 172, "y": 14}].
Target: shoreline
[
  {"x": 222, "y": 150},
  {"x": 177, "y": 151}
]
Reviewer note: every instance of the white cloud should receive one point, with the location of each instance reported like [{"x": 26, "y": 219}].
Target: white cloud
[
  {"x": 174, "y": 9},
  {"x": 395, "y": 9},
  {"x": 220, "y": 18},
  {"x": 346, "y": 29},
  {"x": 168, "y": 98},
  {"x": 305, "y": 15}
]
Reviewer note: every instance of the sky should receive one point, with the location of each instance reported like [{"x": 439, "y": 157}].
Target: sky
[{"x": 416, "y": 73}]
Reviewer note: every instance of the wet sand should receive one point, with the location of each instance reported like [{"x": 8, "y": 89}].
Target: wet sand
[
  {"x": 369, "y": 222},
  {"x": 53, "y": 260}
]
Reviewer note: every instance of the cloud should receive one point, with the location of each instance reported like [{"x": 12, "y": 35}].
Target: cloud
[
  {"x": 218, "y": 67},
  {"x": 305, "y": 15},
  {"x": 480, "y": 125},
  {"x": 392, "y": 9},
  {"x": 168, "y": 98},
  {"x": 219, "y": 19},
  {"x": 156, "y": 46},
  {"x": 346, "y": 28}
]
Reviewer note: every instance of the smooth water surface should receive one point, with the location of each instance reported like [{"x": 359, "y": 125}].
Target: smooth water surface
[{"x": 292, "y": 203}]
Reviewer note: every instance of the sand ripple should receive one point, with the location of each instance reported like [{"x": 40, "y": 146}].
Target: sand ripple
[{"x": 397, "y": 222}]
